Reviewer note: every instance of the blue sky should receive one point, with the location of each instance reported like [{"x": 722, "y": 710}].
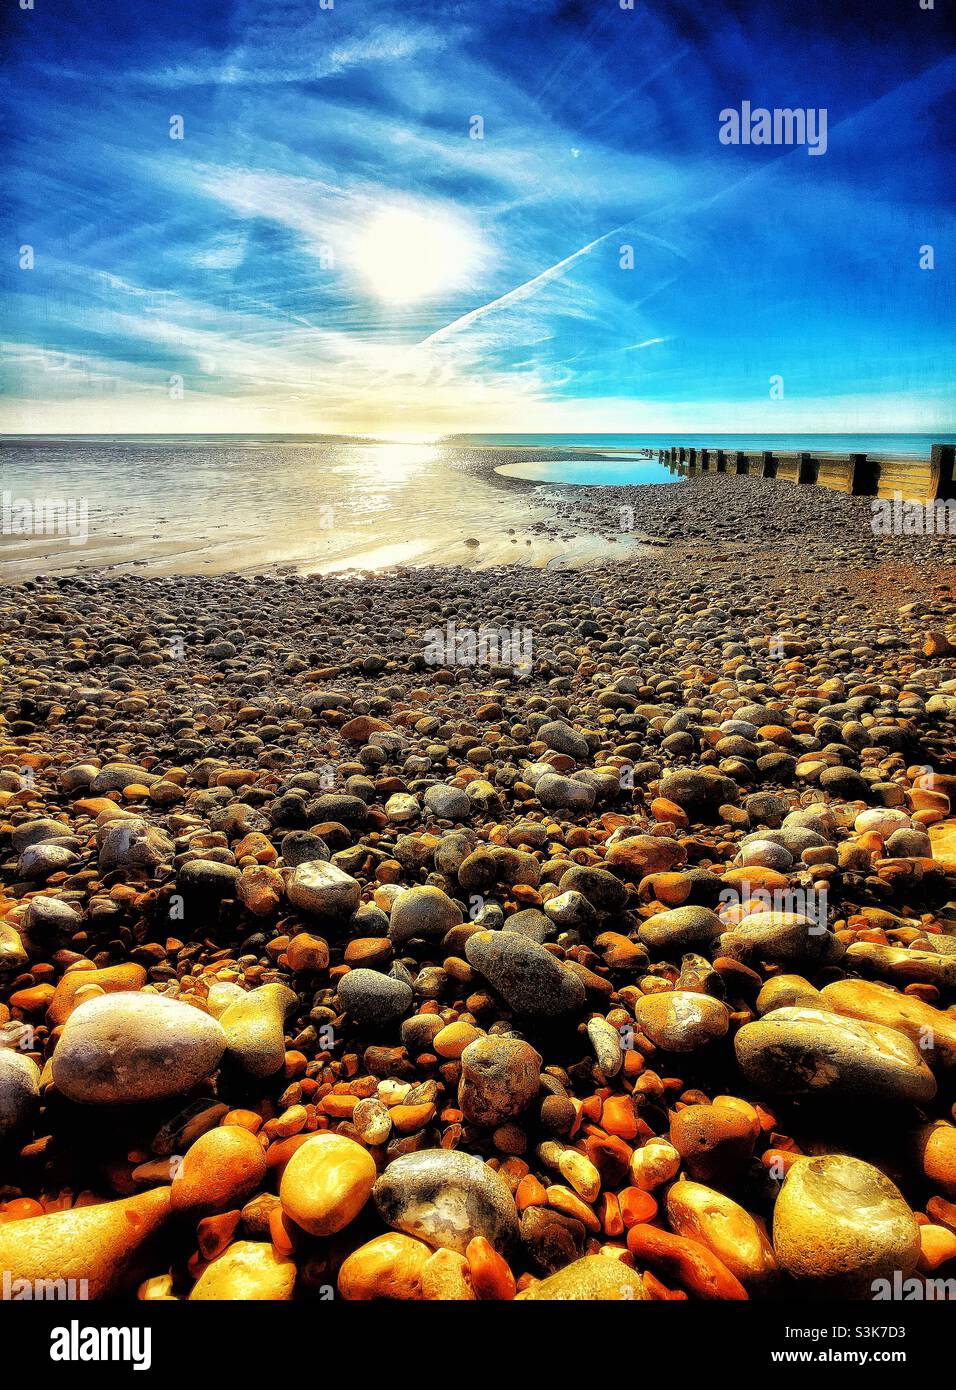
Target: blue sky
[{"x": 329, "y": 249}]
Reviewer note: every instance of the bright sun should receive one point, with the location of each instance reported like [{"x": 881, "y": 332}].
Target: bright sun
[{"x": 406, "y": 256}]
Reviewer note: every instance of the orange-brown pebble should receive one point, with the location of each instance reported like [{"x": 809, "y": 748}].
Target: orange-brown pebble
[
  {"x": 33, "y": 1000},
  {"x": 307, "y": 954},
  {"x": 612, "y": 1222},
  {"x": 510, "y": 1139},
  {"x": 256, "y": 846},
  {"x": 260, "y": 890},
  {"x": 246, "y": 1119},
  {"x": 619, "y": 1117},
  {"x": 716, "y": 1142},
  {"x": 779, "y": 1161},
  {"x": 409, "y": 1119},
  {"x": 296, "y": 1065},
  {"x": 21, "y": 1208},
  {"x": 282, "y": 1231},
  {"x": 690, "y": 1264},
  {"x": 390, "y": 1266},
  {"x": 491, "y": 1277},
  {"x": 291, "y": 1121},
  {"x": 568, "y": 1202},
  {"x": 368, "y": 950},
  {"x": 664, "y": 810},
  {"x": 530, "y": 1193},
  {"x": 219, "y": 1171},
  {"x": 636, "y": 1206},
  {"x": 112, "y": 979},
  {"x": 214, "y": 1233},
  {"x": 339, "y": 1107},
  {"x": 659, "y": 1292},
  {"x": 937, "y": 1247},
  {"x": 452, "y": 1040},
  {"x": 942, "y": 1212},
  {"x": 937, "y": 1148}
]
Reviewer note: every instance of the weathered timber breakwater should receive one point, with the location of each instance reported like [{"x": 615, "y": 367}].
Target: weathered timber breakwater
[
  {"x": 858, "y": 474},
  {"x": 343, "y": 954}
]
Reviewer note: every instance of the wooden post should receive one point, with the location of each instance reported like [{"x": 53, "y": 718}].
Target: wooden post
[
  {"x": 864, "y": 476},
  {"x": 942, "y": 469},
  {"x": 809, "y": 468},
  {"x": 769, "y": 464}
]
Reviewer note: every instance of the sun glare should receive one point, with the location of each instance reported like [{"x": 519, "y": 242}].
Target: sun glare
[{"x": 406, "y": 256}]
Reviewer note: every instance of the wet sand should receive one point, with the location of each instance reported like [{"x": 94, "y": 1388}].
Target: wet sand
[{"x": 165, "y": 508}]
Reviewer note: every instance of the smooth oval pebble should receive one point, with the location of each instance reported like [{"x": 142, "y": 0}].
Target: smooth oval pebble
[
  {"x": 680, "y": 1020},
  {"x": 680, "y": 929},
  {"x": 725, "y": 1227},
  {"x": 372, "y": 998},
  {"x": 390, "y": 1266},
  {"x": 445, "y": 1197},
  {"x": 135, "y": 1047},
  {"x": 840, "y": 1224},
  {"x": 19, "y": 1091},
  {"x": 606, "y": 1042},
  {"x": 323, "y": 889},
  {"x": 803, "y": 1052},
  {"x": 528, "y": 978},
  {"x": 787, "y": 938},
  {"x": 224, "y": 1167},
  {"x": 422, "y": 912},
  {"x": 326, "y": 1183}
]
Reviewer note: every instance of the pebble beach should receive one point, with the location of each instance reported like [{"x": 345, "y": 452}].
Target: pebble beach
[{"x": 579, "y": 930}]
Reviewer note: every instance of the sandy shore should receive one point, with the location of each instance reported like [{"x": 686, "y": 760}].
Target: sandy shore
[
  {"x": 339, "y": 508},
  {"x": 310, "y": 508}
]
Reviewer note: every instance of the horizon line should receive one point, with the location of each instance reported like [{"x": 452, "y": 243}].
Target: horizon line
[{"x": 424, "y": 436}]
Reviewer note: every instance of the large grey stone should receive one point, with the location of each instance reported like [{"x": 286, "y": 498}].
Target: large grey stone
[
  {"x": 19, "y": 1091},
  {"x": 529, "y": 979},
  {"x": 323, "y": 889},
  {"x": 808, "y": 1052},
  {"x": 445, "y": 1198},
  {"x": 840, "y": 1225},
  {"x": 135, "y": 1047},
  {"x": 499, "y": 1079}
]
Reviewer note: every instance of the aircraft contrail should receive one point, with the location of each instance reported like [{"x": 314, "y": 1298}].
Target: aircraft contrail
[{"x": 520, "y": 291}]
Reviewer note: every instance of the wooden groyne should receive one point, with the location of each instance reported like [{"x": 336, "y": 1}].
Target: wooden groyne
[{"x": 861, "y": 475}]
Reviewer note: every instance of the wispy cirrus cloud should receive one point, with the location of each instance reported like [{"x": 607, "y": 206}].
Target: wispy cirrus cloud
[{"x": 597, "y": 245}]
